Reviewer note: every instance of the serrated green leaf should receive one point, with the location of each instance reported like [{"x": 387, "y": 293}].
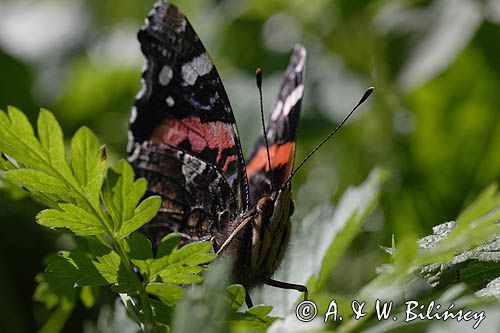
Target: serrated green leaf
[
  {"x": 38, "y": 181},
  {"x": 190, "y": 255},
  {"x": 182, "y": 266},
  {"x": 86, "y": 274},
  {"x": 168, "y": 244},
  {"x": 109, "y": 266},
  {"x": 60, "y": 276},
  {"x": 167, "y": 293},
  {"x": 88, "y": 163},
  {"x": 73, "y": 218},
  {"x": 196, "y": 253},
  {"x": 51, "y": 138},
  {"x": 122, "y": 193},
  {"x": 20, "y": 122},
  {"x": 139, "y": 247},
  {"x": 142, "y": 214},
  {"x": 182, "y": 275},
  {"x": 18, "y": 141}
]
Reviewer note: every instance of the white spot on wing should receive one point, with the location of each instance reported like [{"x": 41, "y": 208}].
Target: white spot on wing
[
  {"x": 182, "y": 26},
  {"x": 165, "y": 75},
  {"x": 145, "y": 65},
  {"x": 198, "y": 66},
  {"x": 300, "y": 65},
  {"x": 141, "y": 92},
  {"x": 292, "y": 99},
  {"x": 277, "y": 110},
  {"x": 133, "y": 115},
  {"x": 170, "y": 101},
  {"x": 192, "y": 167},
  {"x": 130, "y": 144}
]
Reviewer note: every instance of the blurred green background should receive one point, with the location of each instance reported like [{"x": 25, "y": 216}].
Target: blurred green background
[{"x": 433, "y": 121}]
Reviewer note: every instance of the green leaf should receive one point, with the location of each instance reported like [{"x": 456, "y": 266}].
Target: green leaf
[
  {"x": 254, "y": 318},
  {"x": 139, "y": 246},
  {"x": 142, "y": 214},
  {"x": 236, "y": 296},
  {"x": 168, "y": 244},
  {"x": 196, "y": 253},
  {"x": 51, "y": 138},
  {"x": 167, "y": 293},
  {"x": 73, "y": 218},
  {"x": 182, "y": 275},
  {"x": 475, "y": 267},
  {"x": 162, "y": 313},
  {"x": 193, "y": 254},
  {"x": 15, "y": 192},
  {"x": 6, "y": 164},
  {"x": 122, "y": 193},
  {"x": 88, "y": 296},
  {"x": 181, "y": 266},
  {"x": 109, "y": 266},
  {"x": 18, "y": 141},
  {"x": 88, "y": 163},
  {"x": 38, "y": 181}
]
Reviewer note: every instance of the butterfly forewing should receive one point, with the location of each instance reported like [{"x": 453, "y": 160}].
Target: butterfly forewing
[
  {"x": 183, "y": 133},
  {"x": 281, "y": 132}
]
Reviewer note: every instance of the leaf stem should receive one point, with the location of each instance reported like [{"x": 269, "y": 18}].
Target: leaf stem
[{"x": 146, "y": 305}]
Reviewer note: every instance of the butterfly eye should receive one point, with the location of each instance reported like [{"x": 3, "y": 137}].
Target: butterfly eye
[
  {"x": 292, "y": 208},
  {"x": 265, "y": 207}
]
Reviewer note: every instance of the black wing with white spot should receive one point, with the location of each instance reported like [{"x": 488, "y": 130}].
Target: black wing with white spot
[
  {"x": 182, "y": 102},
  {"x": 281, "y": 132}
]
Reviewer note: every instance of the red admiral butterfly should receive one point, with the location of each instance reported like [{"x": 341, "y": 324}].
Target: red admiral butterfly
[{"x": 183, "y": 139}]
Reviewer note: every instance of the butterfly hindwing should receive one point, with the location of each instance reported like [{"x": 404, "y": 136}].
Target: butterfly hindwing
[
  {"x": 196, "y": 200},
  {"x": 182, "y": 101},
  {"x": 281, "y": 132}
]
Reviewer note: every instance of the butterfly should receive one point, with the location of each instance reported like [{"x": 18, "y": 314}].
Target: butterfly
[{"x": 184, "y": 140}]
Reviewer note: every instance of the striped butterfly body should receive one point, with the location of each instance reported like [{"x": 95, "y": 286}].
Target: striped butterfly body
[{"x": 184, "y": 140}]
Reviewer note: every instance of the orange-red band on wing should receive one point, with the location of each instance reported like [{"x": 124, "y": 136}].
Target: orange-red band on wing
[
  {"x": 214, "y": 135},
  {"x": 281, "y": 154}
]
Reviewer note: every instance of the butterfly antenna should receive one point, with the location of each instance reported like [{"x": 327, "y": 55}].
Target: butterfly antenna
[
  {"x": 258, "y": 78},
  {"x": 365, "y": 96}
]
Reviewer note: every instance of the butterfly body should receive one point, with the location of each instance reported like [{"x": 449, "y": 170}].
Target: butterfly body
[{"x": 183, "y": 139}]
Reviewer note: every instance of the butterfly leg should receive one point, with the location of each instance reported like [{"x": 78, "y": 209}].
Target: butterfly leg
[
  {"x": 248, "y": 299},
  {"x": 286, "y": 285}
]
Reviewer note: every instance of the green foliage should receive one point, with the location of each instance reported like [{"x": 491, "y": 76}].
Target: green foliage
[{"x": 102, "y": 208}]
